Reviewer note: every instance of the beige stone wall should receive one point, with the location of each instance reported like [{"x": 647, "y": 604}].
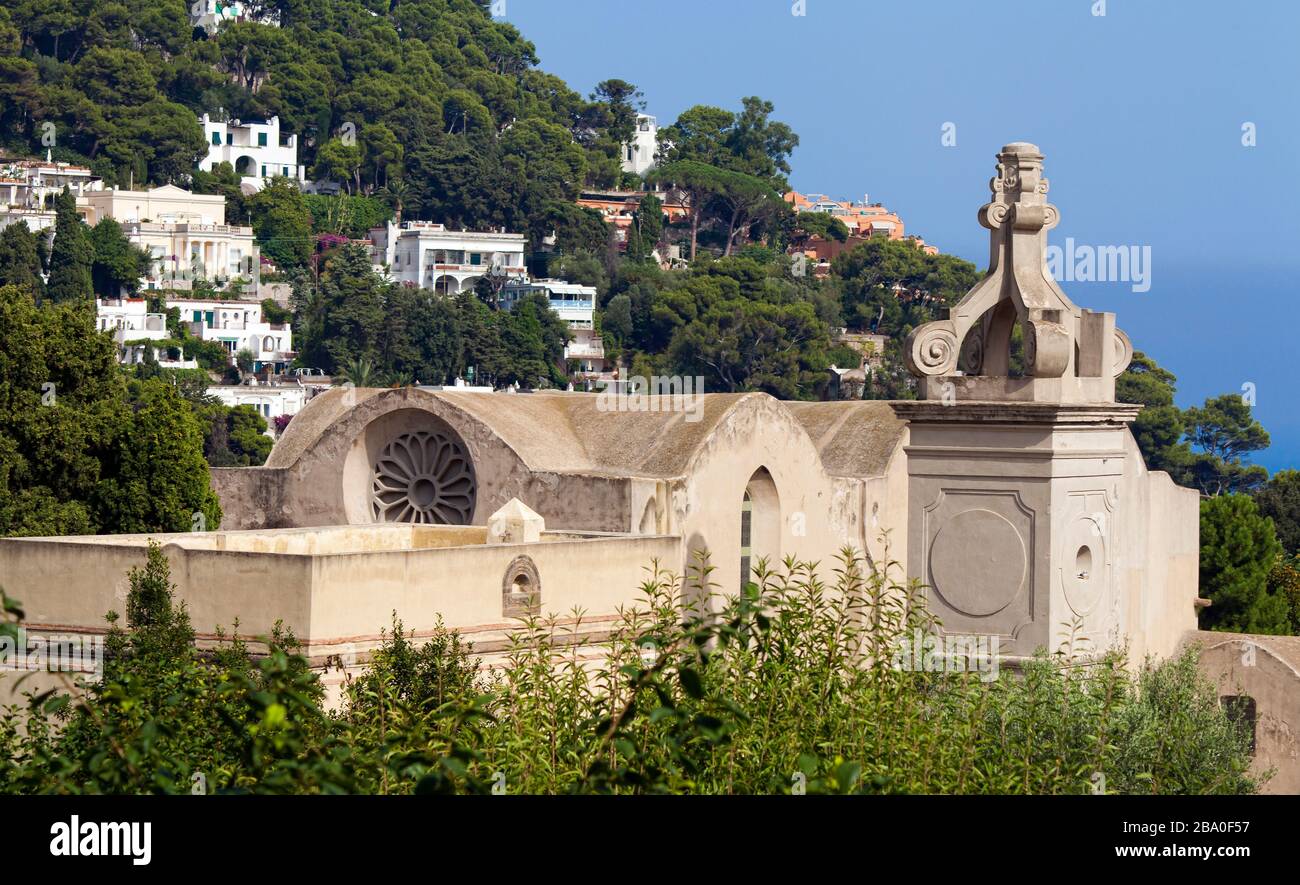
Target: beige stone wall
[
  {"x": 583, "y": 469},
  {"x": 1264, "y": 669},
  {"x": 336, "y": 589},
  {"x": 319, "y": 473},
  {"x": 1040, "y": 524},
  {"x": 707, "y": 502},
  {"x": 825, "y": 475},
  {"x": 1160, "y": 560}
]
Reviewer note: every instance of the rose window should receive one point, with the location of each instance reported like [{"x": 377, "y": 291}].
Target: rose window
[{"x": 424, "y": 477}]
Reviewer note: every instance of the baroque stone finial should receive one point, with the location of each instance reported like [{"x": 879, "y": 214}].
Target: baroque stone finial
[{"x": 1071, "y": 354}]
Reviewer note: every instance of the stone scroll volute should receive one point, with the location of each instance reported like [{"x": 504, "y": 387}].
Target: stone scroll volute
[{"x": 1061, "y": 340}]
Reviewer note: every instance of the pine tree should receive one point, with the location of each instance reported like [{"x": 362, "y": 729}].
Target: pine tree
[{"x": 1238, "y": 550}]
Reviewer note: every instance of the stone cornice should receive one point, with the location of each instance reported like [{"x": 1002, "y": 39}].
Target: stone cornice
[{"x": 1020, "y": 413}]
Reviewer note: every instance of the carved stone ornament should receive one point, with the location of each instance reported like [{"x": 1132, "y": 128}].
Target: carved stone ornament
[
  {"x": 424, "y": 477},
  {"x": 1061, "y": 340}
]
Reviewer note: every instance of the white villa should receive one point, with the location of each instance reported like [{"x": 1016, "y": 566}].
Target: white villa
[
  {"x": 639, "y": 154},
  {"x": 258, "y": 151},
  {"x": 129, "y": 319},
  {"x": 133, "y": 326},
  {"x": 238, "y": 325},
  {"x": 28, "y": 187},
  {"x": 575, "y": 305},
  {"x": 184, "y": 233},
  {"x": 430, "y": 256},
  {"x": 268, "y": 400}
]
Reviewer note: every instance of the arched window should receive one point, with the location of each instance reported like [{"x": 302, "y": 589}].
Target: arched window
[
  {"x": 746, "y": 537},
  {"x": 760, "y": 524}
]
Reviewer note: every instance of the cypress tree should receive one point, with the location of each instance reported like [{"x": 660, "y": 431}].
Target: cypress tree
[
  {"x": 72, "y": 255},
  {"x": 20, "y": 263}
]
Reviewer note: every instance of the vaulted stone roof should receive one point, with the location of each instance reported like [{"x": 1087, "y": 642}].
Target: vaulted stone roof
[
  {"x": 855, "y": 438},
  {"x": 577, "y": 433}
]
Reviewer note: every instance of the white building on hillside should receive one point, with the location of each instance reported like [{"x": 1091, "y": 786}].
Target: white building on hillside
[
  {"x": 257, "y": 150},
  {"x": 574, "y": 304},
  {"x": 212, "y": 14},
  {"x": 238, "y": 325},
  {"x": 639, "y": 154},
  {"x": 428, "y": 255},
  {"x": 269, "y": 400},
  {"x": 184, "y": 233},
  {"x": 29, "y": 186},
  {"x": 129, "y": 319},
  {"x": 133, "y": 327}
]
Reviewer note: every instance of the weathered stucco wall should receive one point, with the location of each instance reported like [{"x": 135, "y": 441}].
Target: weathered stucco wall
[
  {"x": 1038, "y": 523},
  {"x": 1263, "y": 668},
  {"x": 337, "y": 589},
  {"x": 1160, "y": 559}
]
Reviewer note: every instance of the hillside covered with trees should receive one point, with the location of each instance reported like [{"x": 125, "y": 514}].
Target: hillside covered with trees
[
  {"x": 431, "y": 109},
  {"x": 430, "y": 102}
]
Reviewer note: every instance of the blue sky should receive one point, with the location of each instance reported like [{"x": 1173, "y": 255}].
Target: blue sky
[{"x": 1139, "y": 112}]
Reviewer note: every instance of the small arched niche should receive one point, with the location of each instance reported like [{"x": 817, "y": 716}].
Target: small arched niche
[{"x": 521, "y": 589}]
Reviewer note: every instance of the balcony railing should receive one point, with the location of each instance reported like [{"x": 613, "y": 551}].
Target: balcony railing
[
  {"x": 186, "y": 227},
  {"x": 584, "y": 351}
]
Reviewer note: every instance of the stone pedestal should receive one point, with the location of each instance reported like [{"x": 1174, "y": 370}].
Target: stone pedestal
[{"x": 1014, "y": 519}]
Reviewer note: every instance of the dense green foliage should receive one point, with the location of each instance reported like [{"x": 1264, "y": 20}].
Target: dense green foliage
[
  {"x": 741, "y": 323},
  {"x": 429, "y": 102},
  {"x": 349, "y": 216},
  {"x": 820, "y": 224},
  {"x": 72, "y": 256},
  {"x": 20, "y": 260},
  {"x": 927, "y": 284},
  {"x": 1204, "y": 448},
  {"x": 116, "y": 265},
  {"x": 1238, "y": 550},
  {"x": 283, "y": 223},
  {"x": 1279, "y": 500},
  {"x": 404, "y": 334},
  {"x": 1284, "y": 582},
  {"x": 790, "y": 687},
  {"x": 234, "y": 436},
  {"x": 81, "y": 451}
]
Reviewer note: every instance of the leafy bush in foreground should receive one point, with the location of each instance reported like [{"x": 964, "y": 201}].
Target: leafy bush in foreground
[{"x": 789, "y": 687}]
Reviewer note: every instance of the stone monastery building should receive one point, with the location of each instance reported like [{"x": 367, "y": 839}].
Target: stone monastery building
[{"x": 1021, "y": 503}]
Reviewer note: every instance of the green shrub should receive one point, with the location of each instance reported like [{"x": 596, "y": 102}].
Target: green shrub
[{"x": 790, "y": 686}]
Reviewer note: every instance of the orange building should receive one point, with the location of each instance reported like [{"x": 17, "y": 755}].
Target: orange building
[
  {"x": 864, "y": 220},
  {"x": 618, "y": 207}
]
